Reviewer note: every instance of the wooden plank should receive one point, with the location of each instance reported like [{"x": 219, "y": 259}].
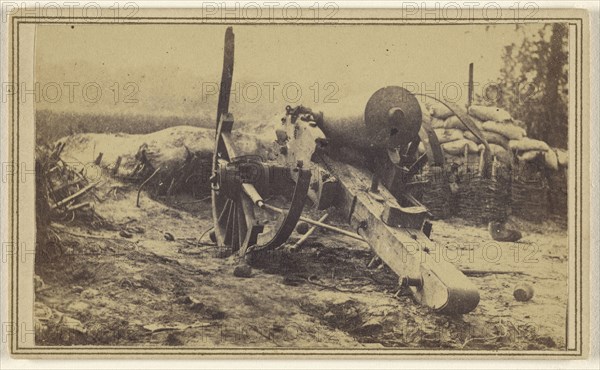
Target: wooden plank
[
  {"x": 227, "y": 74},
  {"x": 76, "y": 195},
  {"x": 408, "y": 252},
  {"x": 470, "y": 91},
  {"x": 229, "y": 145}
]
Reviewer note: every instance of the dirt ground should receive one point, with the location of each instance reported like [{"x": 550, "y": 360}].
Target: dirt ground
[{"x": 101, "y": 286}]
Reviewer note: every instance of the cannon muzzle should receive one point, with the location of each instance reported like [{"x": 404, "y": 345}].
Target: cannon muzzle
[{"x": 391, "y": 119}]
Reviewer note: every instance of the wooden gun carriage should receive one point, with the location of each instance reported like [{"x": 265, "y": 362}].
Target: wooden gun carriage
[{"x": 376, "y": 196}]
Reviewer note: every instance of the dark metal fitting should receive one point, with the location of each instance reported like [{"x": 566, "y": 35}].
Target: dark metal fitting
[{"x": 408, "y": 281}]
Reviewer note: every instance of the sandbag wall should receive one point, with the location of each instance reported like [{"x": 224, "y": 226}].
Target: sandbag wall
[{"x": 528, "y": 177}]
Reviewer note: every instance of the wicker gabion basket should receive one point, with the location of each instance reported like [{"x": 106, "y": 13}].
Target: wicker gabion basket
[
  {"x": 482, "y": 199},
  {"x": 529, "y": 195},
  {"x": 436, "y": 195}
]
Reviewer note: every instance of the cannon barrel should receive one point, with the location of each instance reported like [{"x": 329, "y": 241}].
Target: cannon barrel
[{"x": 391, "y": 119}]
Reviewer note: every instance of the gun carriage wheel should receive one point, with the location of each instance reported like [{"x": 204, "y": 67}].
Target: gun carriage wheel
[{"x": 237, "y": 185}]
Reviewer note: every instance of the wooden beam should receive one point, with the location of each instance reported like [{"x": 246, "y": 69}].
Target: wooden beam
[
  {"x": 76, "y": 195},
  {"x": 305, "y": 237},
  {"x": 408, "y": 252},
  {"x": 315, "y": 223},
  {"x": 470, "y": 91}
]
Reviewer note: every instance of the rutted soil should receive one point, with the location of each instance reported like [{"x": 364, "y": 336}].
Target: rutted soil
[{"x": 103, "y": 286}]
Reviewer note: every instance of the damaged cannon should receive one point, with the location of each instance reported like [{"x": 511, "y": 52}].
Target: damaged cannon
[{"x": 362, "y": 164}]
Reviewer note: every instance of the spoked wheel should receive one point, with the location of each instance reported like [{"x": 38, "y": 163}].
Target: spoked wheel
[
  {"x": 235, "y": 180},
  {"x": 235, "y": 224},
  {"x": 237, "y": 202}
]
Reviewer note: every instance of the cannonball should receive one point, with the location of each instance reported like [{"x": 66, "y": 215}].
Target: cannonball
[
  {"x": 302, "y": 228},
  {"x": 523, "y": 292},
  {"x": 242, "y": 270}
]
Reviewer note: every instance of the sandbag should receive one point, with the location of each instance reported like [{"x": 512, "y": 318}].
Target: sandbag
[
  {"x": 551, "y": 160},
  {"x": 527, "y": 144},
  {"x": 446, "y": 136},
  {"x": 508, "y": 130},
  {"x": 501, "y": 154},
  {"x": 491, "y": 137},
  {"x": 438, "y": 123},
  {"x": 457, "y": 147},
  {"x": 563, "y": 157},
  {"x": 489, "y": 113},
  {"x": 519, "y": 123},
  {"x": 455, "y": 122},
  {"x": 439, "y": 110},
  {"x": 529, "y": 155}
]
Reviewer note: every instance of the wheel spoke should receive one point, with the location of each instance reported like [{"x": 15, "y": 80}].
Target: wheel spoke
[
  {"x": 224, "y": 212},
  {"x": 220, "y": 225},
  {"x": 235, "y": 239},
  {"x": 241, "y": 222},
  {"x": 229, "y": 225}
]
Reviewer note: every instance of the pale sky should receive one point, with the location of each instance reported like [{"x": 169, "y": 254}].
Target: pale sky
[{"x": 170, "y": 63}]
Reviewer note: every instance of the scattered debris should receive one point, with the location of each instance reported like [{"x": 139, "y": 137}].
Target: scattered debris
[
  {"x": 42, "y": 312},
  {"x": 136, "y": 230},
  {"x": 523, "y": 292},
  {"x": 90, "y": 293},
  {"x": 499, "y": 232},
  {"x": 472, "y": 272},
  {"x": 155, "y": 328},
  {"x": 72, "y": 323},
  {"x": 243, "y": 271}
]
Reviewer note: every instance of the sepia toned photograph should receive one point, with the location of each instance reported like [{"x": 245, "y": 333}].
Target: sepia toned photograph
[{"x": 357, "y": 183}]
